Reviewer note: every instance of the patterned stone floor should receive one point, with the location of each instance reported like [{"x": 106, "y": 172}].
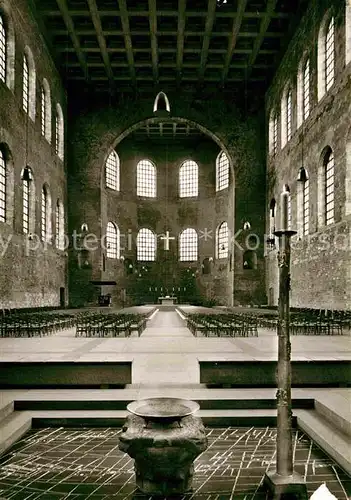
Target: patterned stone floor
[{"x": 81, "y": 464}]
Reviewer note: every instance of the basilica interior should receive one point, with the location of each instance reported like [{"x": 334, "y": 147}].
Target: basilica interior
[{"x": 175, "y": 222}]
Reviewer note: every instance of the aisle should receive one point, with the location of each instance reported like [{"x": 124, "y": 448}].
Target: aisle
[
  {"x": 166, "y": 324},
  {"x": 166, "y": 368}
]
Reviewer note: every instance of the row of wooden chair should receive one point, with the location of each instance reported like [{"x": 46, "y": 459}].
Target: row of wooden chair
[
  {"x": 109, "y": 325},
  {"x": 34, "y": 325},
  {"x": 222, "y": 325}
]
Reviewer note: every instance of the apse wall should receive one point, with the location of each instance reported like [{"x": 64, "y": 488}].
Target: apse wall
[
  {"x": 33, "y": 272},
  {"x": 94, "y": 133},
  {"x": 168, "y": 212}
]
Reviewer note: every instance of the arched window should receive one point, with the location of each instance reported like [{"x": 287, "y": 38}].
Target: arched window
[
  {"x": 273, "y": 133},
  {"x": 46, "y": 111},
  {"x": 306, "y": 207},
  {"x": 289, "y": 115},
  {"x": 188, "y": 179},
  {"x": 286, "y": 116},
  {"x": 45, "y": 214},
  {"x": 112, "y": 171},
  {"x": 287, "y": 188},
  {"x": 3, "y": 187},
  {"x": 188, "y": 245},
  {"x": 329, "y": 187},
  {"x": 3, "y": 51},
  {"x": 25, "y": 84},
  {"x": 272, "y": 209},
  {"x": 146, "y": 245},
  {"x": 326, "y": 55},
  {"x": 28, "y": 84},
  {"x": 60, "y": 226},
  {"x": 59, "y": 132},
  {"x": 146, "y": 179},
  {"x": 306, "y": 90},
  {"x": 112, "y": 241},
  {"x": 222, "y": 171},
  {"x": 222, "y": 241},
  {"x": 28, "y": 200},
  {"x": 329, "y": 55}
]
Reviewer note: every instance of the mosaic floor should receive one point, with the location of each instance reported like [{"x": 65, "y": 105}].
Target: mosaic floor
[{"x": 81, "y": 464}]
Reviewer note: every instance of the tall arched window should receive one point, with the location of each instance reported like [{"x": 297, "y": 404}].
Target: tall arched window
[
  {"x": 222, "y": 171},
  {"x": 112, "y": 171},
  {"x": 28, "y": 200},
  {"x": 45, "y": 214},
  {"x": 112, "y": 241},
  {"x": 59, "y": 132},
  {"x": 329, "y": 187},
  {"x": 329, "y": 55},
  {"x": 25, "y": 84},
  {"x": 306, "y": 207},
  {"x": 272, "y": 214},
  {"x": 286, "y": 115},
  {"x": 306, "y": 90},
  {"x": 146, "y": 245},
  {"x": 146, "y": 179},
  {"x": 289, "y": 115},
  {"x": 222, "y": 241},
  {"x": 188, "y": 179},
  {"x": 326, "y": 55},
  {"x": 46, "y": 111},
  {"x": 3, "y": 187},
  {"x": 188, "y": 245},
  {"x": 3, "y": 54},
  {"x": 28, "y": 83},
  {"x": 60, "y": 226}
]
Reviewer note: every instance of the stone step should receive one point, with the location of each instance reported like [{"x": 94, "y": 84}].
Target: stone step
[
  {"x": 13, "y": 427},
  {"x": 336, "y": 410},
  {"x": 5, "y": 410},
  {"x": 121, "y": 404},
  {"x": 116, "y": 418},
  {"x": 332, "y": 441}
]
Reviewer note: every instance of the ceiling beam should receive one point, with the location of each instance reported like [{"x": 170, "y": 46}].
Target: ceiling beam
[
  {"x": 258, "y": 42},
  {"x": 127, "y": 38},
  {"x": 224, "y": 34},
  {"x": 233, "y": 38},
  {"x": 211, "y": 15},
  {"x": 180, "y": 38},
  {"x": 153, "y": 31},
  {"x": 75, "y": 40},
  {"x": 163, "y": 50},
  {"x": 101, "y": 39},
  {"x": 162, "y": 13}
]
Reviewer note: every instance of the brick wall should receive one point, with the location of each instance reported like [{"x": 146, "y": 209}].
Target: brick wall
[
  {"x": 321, "y": 261},
  {"x": 29, "y": 277}
]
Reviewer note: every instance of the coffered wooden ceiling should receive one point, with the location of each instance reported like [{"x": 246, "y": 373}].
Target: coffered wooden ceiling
[{"x": 124, "y": 46}]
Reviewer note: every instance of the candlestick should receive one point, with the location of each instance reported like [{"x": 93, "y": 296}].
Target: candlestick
[{"x": 284, "y": 210}]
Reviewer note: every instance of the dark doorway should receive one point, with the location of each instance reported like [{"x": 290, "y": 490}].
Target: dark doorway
[{"x": 62, "y": 297}]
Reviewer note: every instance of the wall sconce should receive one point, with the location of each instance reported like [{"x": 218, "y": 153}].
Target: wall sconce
[
  {"x": 84, "y": 227},
  {"x": 302, "y": 175},
  {"x": 122, "y": 258},
  {"x": 247, "y": 226},
  {"x": 26, "y": 174},
  {"x": 210, "y": 259}
]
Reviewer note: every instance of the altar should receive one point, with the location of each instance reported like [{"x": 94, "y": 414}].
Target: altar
[{"x": 167, "y": 300}]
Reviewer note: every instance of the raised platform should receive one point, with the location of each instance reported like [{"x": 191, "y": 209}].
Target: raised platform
[{"x": 313, "y": 373}]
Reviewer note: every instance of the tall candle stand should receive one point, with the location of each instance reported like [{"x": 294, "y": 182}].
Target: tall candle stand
[{"x": 284, "y": 481}]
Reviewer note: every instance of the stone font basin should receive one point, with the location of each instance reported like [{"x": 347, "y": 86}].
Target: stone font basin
[
  {"x": 163, "y": 408},
  {"x": 164, "y": 438}
]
